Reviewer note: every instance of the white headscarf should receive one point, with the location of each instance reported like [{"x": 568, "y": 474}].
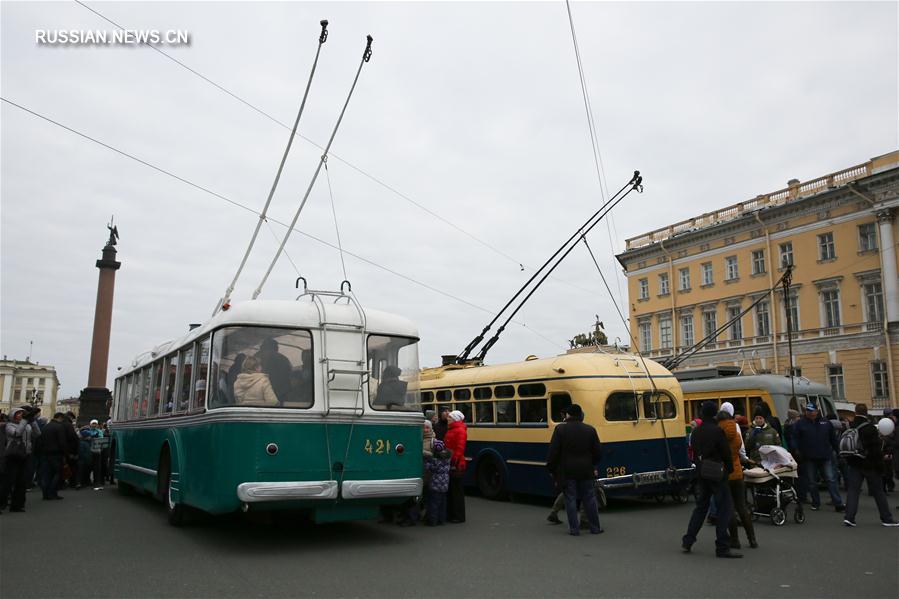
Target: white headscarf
[
  {"x": 728, "y": 407},
  {"x": 457, "y": 416}
]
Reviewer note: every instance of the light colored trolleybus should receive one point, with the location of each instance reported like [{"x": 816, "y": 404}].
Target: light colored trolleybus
[
  {"x": 746, "y": 392},
  {"x": 302, "y": 405},
  {"x": 512, "y": 409}
]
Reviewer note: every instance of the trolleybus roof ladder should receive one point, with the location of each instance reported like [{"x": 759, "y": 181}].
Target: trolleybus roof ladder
[{"x": 343, "y": 351}]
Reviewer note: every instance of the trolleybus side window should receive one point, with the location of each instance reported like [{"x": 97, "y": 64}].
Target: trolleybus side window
[
  {"x": 261, "y": 367},
  {"x": 134, "y": 410},
  {"x": 483, "y": 412},
  {"x": 739, "y": 404},
  {"x": 393, "y": 367},
  {"x": 505, "y": 411},
  {"x": 483, "y": 393},
  {"x": 185, "y": 370},
  {"x": 532, "y": 390},
  {"x": 754, "y": 402},
  {"x": 658, "y": 405},
  {"x": 444, "y": 395},
  {"x": 171, "y": 383},
  {"x": 504, "y": 391},
  {"x": 153, "y": 397},
  {"x": 427, "y": 397},
  {"x": 465, "y": 408},
  {"x": 200, "y": 386},
  {"x": 532, "y": 411},
  {"x": 462, "y": 394},
  {"x": 621, "y": 406},
  {"x": 559, "y": 402}
]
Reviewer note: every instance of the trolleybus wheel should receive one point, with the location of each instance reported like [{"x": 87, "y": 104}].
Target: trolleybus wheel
[
  {"x": 778, "y": 517},
  {"x": 601, "y": 500},
  {"x": 491, "y": 480},
  {"x": 177, "y": 513},
  {"x": 798, "y": 516}
]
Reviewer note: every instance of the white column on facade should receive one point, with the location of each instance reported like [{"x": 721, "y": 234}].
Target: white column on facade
[
  {"x": 22, "y": 388},
  {"x": 49, "y": 392},
  {"x": 6, "y": 398},
  {"x": 890, "y": 273}
]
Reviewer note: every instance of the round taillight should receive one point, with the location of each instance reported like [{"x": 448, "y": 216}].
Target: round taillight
[
  {"x": 400, "y": 449},
  {"x": 271, "y": 449}
]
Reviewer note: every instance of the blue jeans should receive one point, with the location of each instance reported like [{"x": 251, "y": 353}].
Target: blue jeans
[
  {"x": 825, "y": 467},
  {"x": 582, "y": 491},
  {"x": 721, "y": 493}
]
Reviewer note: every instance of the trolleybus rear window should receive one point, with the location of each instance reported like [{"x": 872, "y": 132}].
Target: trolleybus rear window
[
  {"x": 262, "y": 367},
  {"x": 621, "y": 407},
  {"x": 393, "y": 379}
]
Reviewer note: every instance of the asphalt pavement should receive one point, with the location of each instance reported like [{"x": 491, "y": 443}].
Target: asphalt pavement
[{"x": 103, "y": 544}]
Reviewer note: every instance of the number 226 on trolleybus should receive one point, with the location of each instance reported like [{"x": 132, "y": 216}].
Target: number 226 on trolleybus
[
  {"x": 512, "y": 409},
  {"x": 299, "y": 405}
]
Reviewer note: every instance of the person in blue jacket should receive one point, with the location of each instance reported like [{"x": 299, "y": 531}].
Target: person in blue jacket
[{"x": 816, "y": 441}]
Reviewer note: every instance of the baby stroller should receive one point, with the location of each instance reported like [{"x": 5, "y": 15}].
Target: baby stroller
[{"x": 773, "y": 486}]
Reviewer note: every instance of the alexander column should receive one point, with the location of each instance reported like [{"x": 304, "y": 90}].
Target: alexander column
[{"x": 95, "y": 399}]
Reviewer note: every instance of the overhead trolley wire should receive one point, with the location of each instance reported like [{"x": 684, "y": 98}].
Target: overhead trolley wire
[
  {"x": 359, "y": 170},
  {"x": 256, "y": 213}
]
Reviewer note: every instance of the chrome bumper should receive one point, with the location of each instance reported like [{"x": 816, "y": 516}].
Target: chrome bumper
[
  {"x": 362, "y": 489},
  {"x": 328, "y": 489},
  {"x": 643, "y": 479},
  {"x": 287, "y": 491}
]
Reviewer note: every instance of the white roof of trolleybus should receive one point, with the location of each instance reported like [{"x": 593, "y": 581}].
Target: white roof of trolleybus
[
  {"x": 772, "y": 383},
  {"x": 283, "y": 313},
  {"x": 563, "y": 366}
]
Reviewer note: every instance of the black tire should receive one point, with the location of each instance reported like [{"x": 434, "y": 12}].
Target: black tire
[
  {"x": 491, "y": 478},
  {"x": 601, "y": 500},
  {"x": 177, "y": 512},
  {"x": 778, "y": 517},
  {"x": 679, "y": 496}
]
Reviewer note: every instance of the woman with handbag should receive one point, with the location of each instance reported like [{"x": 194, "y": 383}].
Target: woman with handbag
[
  {"x": 20, "y": 433},
  {"x": 714, "y": 461},
  {"x": 456, "y": 436}
]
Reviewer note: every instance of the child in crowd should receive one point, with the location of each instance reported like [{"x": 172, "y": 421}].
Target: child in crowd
[{"x": 439, "y": 467}]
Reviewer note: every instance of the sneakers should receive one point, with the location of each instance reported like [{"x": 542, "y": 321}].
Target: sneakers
[
  {"x": 815, "y": 508},
  {"x": 848, "y": 522},
  {"x": 729, "y": 555},
  {"x": 686, "y": 548},
  {"x": 553, "y": 518},
  {"x": 98, "y": 488},
  {"x": 890, "y": 524}
]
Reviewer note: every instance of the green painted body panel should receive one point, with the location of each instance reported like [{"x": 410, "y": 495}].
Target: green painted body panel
[{"x": 209, "y": 460}]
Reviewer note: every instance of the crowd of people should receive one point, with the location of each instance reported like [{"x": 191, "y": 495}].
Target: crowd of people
[
  {"x": 862, "y": 450},
  {"x": 51, "y": 455}
]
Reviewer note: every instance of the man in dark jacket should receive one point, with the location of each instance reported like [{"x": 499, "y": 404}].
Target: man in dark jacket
[
  {"x": 574, "y": 452},
  {"x": 709, "y": 443},
  {"x": 72, "y": 445},
  {"x": 816, "y": 442},
  {"x": 867, "y": 468},
  {"x": 54, "y": 447}
]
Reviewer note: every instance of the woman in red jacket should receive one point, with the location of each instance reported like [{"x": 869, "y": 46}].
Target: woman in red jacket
[{"x": 456, "y": 435}]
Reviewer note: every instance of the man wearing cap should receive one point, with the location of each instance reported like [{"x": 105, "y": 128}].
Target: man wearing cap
[
  {"x": 574, "y": 452},
  {"x": 867, "y": 468},
  {"x": 816, "y": 442}
]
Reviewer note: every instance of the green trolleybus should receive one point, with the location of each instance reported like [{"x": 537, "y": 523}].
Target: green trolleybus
[{"x": 295, "y": 405}]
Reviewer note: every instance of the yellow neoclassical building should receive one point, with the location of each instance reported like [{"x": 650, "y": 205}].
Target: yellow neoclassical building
[{"x": 839, "y": 232}]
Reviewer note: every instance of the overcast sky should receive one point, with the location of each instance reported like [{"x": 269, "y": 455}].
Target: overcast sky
[{"x": 471, "y": 110}]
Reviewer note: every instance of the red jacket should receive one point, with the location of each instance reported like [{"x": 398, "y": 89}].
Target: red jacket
[{"x": 456, "y": 435}]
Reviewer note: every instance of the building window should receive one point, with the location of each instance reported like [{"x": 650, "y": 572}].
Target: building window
[
  {"x": 665, "y": 332},
  {"x": 731, "y": 267},
  {"x": 644, "y": 288},
  {"x": 786, "y": 254},
  {"x": 792, "y": 314},
  {"x": 709, "y": 324},
  {"x": 867, "y": 237},
  {"x": 873, "y": 302},
  {"x": 762, "y": 322},
  {"x": 830, "y": 300},
  {"x": 736, "y": 329},
  {"x": 826, "y": 250},
  {"x": 835, "y": 377},
  {"x": 707, "y": 273},
  {"x": 684, "y": 279},
  {"x": 645, "y": 336},
  {"x": 663, "y": 284},
  {"x": 881, "y": 383},
  {"x": 686, "y": 330},
  {"x": 758, "y": 262}
]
